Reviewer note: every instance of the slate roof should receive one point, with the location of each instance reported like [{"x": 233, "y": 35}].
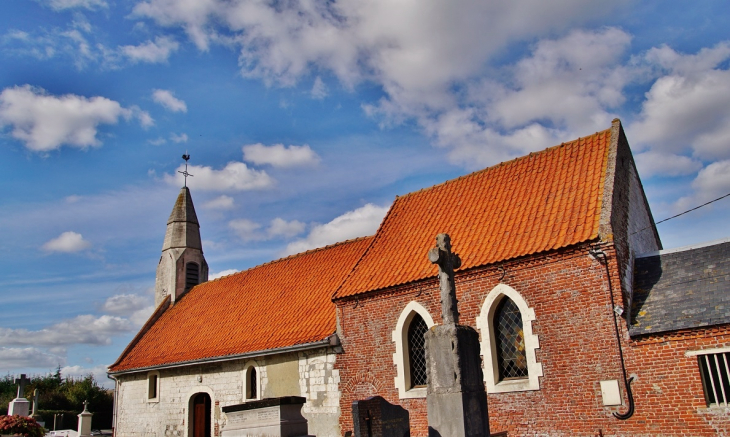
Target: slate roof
[
  {"x": 536, "y": 203},
  {"x": 279, "y": 304},
  {"x": 680, "y": 289}
]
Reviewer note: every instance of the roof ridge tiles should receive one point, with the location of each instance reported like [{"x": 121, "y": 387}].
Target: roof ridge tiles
[{"x": 501, "y": 164}]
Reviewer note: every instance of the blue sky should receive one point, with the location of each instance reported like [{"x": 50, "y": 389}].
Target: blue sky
[{"x": 304, "y": 120}]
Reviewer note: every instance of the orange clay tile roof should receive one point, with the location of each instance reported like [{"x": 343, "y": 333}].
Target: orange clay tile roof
[
  {"x": 282, "y": 303},
  {"x": 543, "y": 201}
]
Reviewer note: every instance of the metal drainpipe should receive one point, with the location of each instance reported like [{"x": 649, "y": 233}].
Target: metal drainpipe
[
  {"x": 116, "y": 404},
  {"x": 627, "y": 382}
]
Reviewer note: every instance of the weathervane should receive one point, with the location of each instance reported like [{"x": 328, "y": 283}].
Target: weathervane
[{"x": 185, "y": 173}]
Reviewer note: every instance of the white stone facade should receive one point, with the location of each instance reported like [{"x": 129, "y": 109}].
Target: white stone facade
[{"x": 309, "y": 374}]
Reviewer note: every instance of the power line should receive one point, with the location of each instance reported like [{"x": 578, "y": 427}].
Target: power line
[{"x": 681, "y": 213}]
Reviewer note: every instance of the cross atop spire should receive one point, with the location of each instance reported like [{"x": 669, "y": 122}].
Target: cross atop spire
[{"x": 185, "y": 173}]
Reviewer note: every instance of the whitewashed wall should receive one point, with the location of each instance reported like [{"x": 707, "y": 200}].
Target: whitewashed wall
[{"x": 309, "y": 374}]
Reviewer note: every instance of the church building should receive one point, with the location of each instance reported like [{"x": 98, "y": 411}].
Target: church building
[{"x": 587, "y": 326}]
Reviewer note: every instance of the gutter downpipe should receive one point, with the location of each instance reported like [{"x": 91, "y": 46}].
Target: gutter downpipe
[
  {"x": 596, "y": 252},
  {"x": 116, "y": 403}
]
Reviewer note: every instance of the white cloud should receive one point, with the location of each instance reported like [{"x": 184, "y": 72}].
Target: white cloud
[
  {"x": 711, "y": 182},
  {"x": 282, "y": 228},
  {"x": 687, "y": 112},
  {"x": 424, "y": 57},
  {"x": 12, "y": 358},
  {"x": 319, "y": 89},
  {"x": 235, "y": 176},
  {"x": 137, "y": 308},
  {"x": 83, "y": 329},
  {"x": 153, "y": 52},
  {"x": 279, "y": 228},
  {"x": 68, "y": 4},
  {"x": 665, "y": 164},
  {"x": 169, "y": 101},
  {"x": 221, "y": 202},
  {"x": 157, "y": 142},
  {"x": 247, "y": 230},
  {"x": 182, "y": 138},
  {"x": 98, "y": 372},
  {"x": 357, "y": 223},
  {"x": 139, "y": 317},
  {"x": 67, "y": 242},
  {"x": 45, "y": 122},
  {"x": 278, "y": 155},
  {"x": 125, "y": 304},
  {"x": 222, "y": 274},
  {"x": 144, "y": 117}
]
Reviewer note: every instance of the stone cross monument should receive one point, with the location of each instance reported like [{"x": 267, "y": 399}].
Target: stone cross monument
[
  {"x": 447, "y": 261},
  {"x": 457, "y": 402},
  {"x": 20, "y": 405},
  {"x": 84, "y": 429}
]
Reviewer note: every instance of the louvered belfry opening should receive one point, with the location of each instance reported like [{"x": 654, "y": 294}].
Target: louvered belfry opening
[
  {"x": 192, "y": 275},
  {"x": 510, "y": 341},
  {"x": 417, "y": 351}
]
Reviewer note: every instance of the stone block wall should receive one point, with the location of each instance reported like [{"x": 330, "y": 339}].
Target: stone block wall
[
  {"x": 310, "y": 374},
  {"x": 569, "y": 293}
]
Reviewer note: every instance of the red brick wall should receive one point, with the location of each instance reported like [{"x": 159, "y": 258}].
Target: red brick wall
[{"x": 578, "y": 348}]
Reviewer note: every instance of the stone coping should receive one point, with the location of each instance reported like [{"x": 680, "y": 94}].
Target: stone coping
[{"x": 263, "y": 403}]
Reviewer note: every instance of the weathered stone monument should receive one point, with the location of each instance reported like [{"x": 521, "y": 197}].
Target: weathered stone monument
[
  {"x": 274, "y": 417},
  {"x": 457, "y": 401},
  {"x": 34, "y": 414},
  {"x": 85, "y": 421},
  {"x": 20, "y": 405},
  {"x": 376, "y": 417}
]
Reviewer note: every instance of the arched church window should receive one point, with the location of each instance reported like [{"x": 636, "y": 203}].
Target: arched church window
[
  {"x": 192, "y": 275},
  {"x": 410, "y": 353},
  {"x": 417, "y": 351},
  {"x": 507, "y": 342},
  {"x": 510, "y": 341},
  {"x": 252, "y": 383}
]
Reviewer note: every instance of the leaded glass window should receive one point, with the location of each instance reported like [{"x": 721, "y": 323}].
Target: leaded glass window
[
  {"x": 417, "y": 351},
  {"x": 510, "y": 341}
]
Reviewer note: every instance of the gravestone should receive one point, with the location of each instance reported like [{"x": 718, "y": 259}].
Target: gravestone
[
  {"x": 376, "y": 417},
  {"x": 20, "y": 405},
  {"x": 274, "y": 417},
  {"x": 457, "y": 401},
  {"x": 34, "y": 413},
  {"x": 84, "y": 429}
]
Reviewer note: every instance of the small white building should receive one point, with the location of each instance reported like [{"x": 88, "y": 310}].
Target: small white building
[{"x": 265, "y": 332}]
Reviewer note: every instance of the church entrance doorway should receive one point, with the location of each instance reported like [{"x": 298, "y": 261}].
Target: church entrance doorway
[{"x": 200, "y": 423}]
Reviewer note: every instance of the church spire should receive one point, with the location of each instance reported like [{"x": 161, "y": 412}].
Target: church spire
[{"x": 182, "y": 264}]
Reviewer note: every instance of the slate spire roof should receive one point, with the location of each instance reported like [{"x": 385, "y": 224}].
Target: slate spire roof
[{"x": 183, "y": 229}]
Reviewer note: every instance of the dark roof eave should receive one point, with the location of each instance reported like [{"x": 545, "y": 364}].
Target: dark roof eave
[{"x": 328, "y": 341}]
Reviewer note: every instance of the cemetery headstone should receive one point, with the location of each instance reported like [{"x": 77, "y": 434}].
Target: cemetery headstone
[
  {"x": 376, "y": 417},
  {"x": 20, "y": 405},
  {"x": 34, "y": 414},
  {"x": 457, "y": 401},
  {"x": 84, "y": 429}
]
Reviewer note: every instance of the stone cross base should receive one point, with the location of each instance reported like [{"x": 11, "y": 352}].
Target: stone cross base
[
  {"x": 457, "y": 401},
  {"x": 19, "y": 407}
]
